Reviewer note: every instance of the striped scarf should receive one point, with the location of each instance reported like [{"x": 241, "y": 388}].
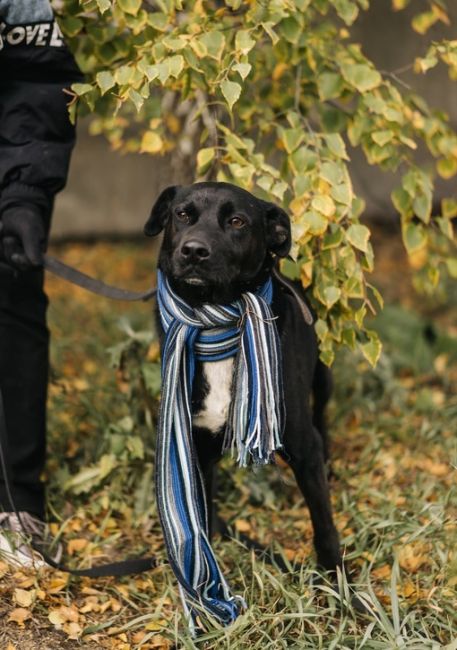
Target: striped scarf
[{"x": 246, "y": 329}]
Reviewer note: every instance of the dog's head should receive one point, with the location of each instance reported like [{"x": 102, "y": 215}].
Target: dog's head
[{"x": 219, "y": 240}]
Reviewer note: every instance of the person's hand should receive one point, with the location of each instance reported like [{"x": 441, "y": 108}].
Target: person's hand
[{"x": 22, "y": 237}]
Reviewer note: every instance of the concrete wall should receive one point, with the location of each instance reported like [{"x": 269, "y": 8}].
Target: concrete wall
[{"x": 109, "y": 193}]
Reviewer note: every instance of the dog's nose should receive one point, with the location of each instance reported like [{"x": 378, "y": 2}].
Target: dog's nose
[{"x": 194, "y": 250}]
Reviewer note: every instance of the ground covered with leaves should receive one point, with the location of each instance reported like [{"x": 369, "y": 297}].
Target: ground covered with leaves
[{"x": 394, "y": 486}]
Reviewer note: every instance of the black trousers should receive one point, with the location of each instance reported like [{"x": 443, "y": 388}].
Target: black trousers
[{"x": 24, "y": 368}]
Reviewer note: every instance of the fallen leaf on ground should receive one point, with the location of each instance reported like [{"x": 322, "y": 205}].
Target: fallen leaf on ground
[
  {"x": 19, "y": 615},
  {"x": 23, "y": 597}
]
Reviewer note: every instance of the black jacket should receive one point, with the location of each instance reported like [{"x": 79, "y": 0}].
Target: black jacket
[{"x": 36, "y": 136}]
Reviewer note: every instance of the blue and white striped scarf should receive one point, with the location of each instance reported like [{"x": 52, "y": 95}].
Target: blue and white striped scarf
[{"x": 246, "y": 329}]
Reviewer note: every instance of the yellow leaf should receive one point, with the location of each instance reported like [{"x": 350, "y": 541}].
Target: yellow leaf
[
  {"x": 75, "y": 545},
  {"x": 151, "y": 142},
  {"x": 290, "y": 553},
  {"x": 57, "y": 584},
  {"x": 153, "y": 353},
  {"x": 56, "y": 618},
  {"x": 382, "y": 572},
  {"x": 63, "y": 614},
  {"x": 24, "y": 598},
  {"x": 74, "y": 630},
  {"x": 412, "y": 556},
  {"x": 80, "y": 385},
  {"x": 242, "y": 526},
  {"x": 19, "y": 615},
  {"x": 279, "y": 70}
]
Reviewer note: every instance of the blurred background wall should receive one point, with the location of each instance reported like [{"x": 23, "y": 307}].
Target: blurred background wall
[{"x": 109, "y": 194}]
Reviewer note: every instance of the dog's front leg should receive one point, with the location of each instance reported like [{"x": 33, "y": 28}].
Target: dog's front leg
[{"x": 306, "y": 457}]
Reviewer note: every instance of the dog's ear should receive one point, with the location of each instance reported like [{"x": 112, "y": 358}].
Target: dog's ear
[
  {"x": 159, "y": 213},
  {"x": 279, "y": 239}
]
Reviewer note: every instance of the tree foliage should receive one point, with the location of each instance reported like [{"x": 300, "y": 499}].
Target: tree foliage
[{"x": 277, "y": 90}]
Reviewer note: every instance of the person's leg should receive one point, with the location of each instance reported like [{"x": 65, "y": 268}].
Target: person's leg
[{"x": 24, "y": 365}]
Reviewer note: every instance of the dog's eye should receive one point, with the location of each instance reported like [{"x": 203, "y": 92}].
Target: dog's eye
[
  {"x": 183, "y": 216},
  {"x": 236, "y": 222}
]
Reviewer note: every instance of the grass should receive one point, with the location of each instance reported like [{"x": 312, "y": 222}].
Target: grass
[{"x": 394, "y": 490}]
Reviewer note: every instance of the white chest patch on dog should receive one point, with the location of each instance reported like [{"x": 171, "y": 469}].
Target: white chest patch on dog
[{"x": 218, "y": 375}]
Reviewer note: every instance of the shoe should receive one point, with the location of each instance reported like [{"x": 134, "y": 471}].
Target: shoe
[{"x": 16, "y": 535}]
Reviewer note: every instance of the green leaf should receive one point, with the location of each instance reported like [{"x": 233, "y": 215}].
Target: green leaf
[
  {"x": 336, "y": 145},
  {"x": 302, "y": 160},
  {"x": 175, "y": 65},
  {"x": 278, "y": 189},
  {"x": 347, "y": 10},
  {"x": 342, "y": 193},
  {"x": 158, "y": 21},
  {"x": 231, "y": 91},
  {"x": 103, "y": 5},
  {"x": 323, "y": 204},
  {"x": 214, "y": 42},
  {"x": 353, "y": 288},
  {"x": 268, "y": 27},
  {"x": 329, "y": 85},
  {"x": 422, "y": 207},
  {"x": 372, "y": 350},
  {"x": 382, "y": 137},
  {"x": 136, "y": 98},
  {"x": 332, "y": 239},
  {"x": 451, "y": 265},
  {"x": 290, "y": 269},
  {"x": 244, "y": 41},
  {"x": 445, "y": 227},
  {"x": 423, "y": 21},
  {"x": 361, "y": 76},
  {"x": 414, "y": 237},
  {"x": 402, "y": 201},
  {"x": 321, "y": 328},
  {"x": 447, "y": 167},
  {"x": 331, "y": 295},
  {"x": 291, "y": 138},
  {"x": 152, "y": 377},
  {"x": 71, "y": 25},
  {"x": 131, "y": 7},
  {"x": 81, "y": 89},
  {"x": 358, "y": 236},
  {"x": 291, "y": 29},
  {"x": 135, "y": 446},
  {"x": 317, "y": 224},
  {"x": 449, "y": 208},
  {"x": 332, "y": 172},
  {"x": 204, "y": 159},
  {"x": 327, "y": 356},
  {"x": 124, "y": 74},
  {"x": 243, "y": 69},
  {"x": 105, "y": 80}
]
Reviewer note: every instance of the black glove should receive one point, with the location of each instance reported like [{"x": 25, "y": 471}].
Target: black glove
[{"x": 22, "y": 237}]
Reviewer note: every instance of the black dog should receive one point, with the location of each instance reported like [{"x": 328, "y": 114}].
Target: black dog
[{"x": 219, "y": 242}]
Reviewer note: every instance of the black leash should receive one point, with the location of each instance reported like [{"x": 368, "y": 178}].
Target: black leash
[{"x": 98, "y": 287}]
